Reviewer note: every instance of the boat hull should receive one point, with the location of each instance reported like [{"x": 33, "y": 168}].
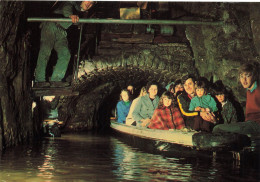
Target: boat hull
[{"x": 179, "y": 143}]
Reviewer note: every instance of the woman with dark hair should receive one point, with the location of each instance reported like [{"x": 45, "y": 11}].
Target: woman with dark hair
[
  {"x": 146, "y": 105},
  {"x": 166, "y": 116}
]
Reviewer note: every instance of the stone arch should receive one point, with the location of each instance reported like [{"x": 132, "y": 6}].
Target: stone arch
[{"x": 101, "y": 79}]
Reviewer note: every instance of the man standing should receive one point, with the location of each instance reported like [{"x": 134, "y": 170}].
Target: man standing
[
  {"x": 54, "y": 36},
  {"x": 191, "y": 118},
  {"x": 249, "y": 79}
]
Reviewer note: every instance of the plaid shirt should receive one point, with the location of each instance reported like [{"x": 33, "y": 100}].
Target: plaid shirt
[{"x": 167, "y": 118}]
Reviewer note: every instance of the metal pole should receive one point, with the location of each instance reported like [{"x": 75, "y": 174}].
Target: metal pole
[
  {"x": 119, "y": 21},
  {"x": 78, "y": 54}
]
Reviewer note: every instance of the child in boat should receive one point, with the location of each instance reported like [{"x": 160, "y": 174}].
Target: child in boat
[
  {"x": 166, "y": 116},
  {"x": 129, "y": 119},
  {"x": 203, "y": 101},
  {"x": 123, "y": 106},
  {"x": 227, "y": 112}
]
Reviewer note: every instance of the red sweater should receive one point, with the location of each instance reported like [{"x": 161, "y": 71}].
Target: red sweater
[
  {"x": 167, "y": 118},
  {"x": 253, "y": 105}
]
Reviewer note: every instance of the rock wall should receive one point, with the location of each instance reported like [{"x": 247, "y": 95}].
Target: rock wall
[{"x": 16, "y": 124}]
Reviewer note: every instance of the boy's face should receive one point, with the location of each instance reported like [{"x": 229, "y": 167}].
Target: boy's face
[
  {"x": 221, "y": 98},
  {"x": 200, "y": 92},
  {"x": 246, "y": 79}
]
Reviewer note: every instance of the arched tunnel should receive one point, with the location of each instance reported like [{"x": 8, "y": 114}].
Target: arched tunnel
[
  {"x": 114, "y": 56},
  {"x": 104, "y": 78}
]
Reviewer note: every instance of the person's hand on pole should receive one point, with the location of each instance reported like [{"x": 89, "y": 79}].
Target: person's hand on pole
[{"x": 74, "y": 18}]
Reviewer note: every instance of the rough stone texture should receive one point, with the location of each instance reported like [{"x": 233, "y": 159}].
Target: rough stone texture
[
  {"x": 173, "y": 58},
  {"x": 255, "y": 24},
  {"x": 16, "y": 124}
]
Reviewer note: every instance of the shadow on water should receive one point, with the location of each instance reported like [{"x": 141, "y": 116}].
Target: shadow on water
[{"x": 94, "y": 157}]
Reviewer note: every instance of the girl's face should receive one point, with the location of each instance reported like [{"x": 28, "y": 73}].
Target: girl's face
[
  {"x": 246, "y": 79},
  {"x": 200, "y": 92},
  {"x": 167, "y": 102},
  {"x": 179, "y": 88},
  {"x": 125, "y": 96},
  {"x": 221, "y": 98}
]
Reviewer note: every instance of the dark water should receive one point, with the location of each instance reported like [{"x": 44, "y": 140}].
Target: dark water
[{"x": 91, "y": 157}]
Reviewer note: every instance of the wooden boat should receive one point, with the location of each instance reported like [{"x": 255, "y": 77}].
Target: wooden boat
[{"x": 180, "y": 141}]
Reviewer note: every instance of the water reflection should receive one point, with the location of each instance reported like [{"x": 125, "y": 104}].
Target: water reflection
[
  {"x": 46, "y": 170},
  {"x": 90, "y": 157},
  {"x": 132, "y": 164}
]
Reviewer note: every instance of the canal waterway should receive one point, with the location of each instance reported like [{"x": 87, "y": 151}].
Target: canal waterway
[{"x": 93, "y": 157}]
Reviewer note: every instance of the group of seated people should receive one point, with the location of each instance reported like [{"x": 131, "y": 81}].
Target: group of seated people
[{"x": 193, "y": 104}]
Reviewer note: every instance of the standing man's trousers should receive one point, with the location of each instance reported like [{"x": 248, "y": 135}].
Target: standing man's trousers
[{"x": 52, "y": 37}]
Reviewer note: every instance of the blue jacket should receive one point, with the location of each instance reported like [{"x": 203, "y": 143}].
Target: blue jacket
[
  {"x": 206, "y": 101},
  {"x": 122, "y": 111}
]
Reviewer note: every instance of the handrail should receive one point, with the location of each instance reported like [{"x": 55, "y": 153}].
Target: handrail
[{"x": 121, "y": 21}]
